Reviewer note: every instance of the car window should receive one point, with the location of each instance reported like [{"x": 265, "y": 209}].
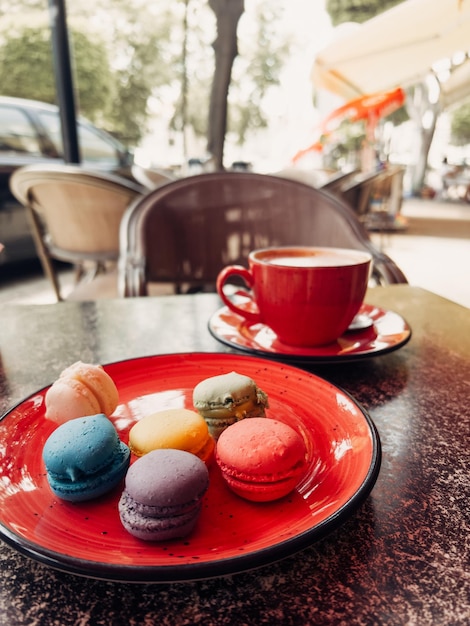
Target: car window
[
  {"x": 51, "y": 123},
  {"x": 93, "y": 147},
  {"x": 17, "y": 133}
]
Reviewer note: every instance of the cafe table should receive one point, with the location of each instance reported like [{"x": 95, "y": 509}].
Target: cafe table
[{"x": 401, "y": 557}]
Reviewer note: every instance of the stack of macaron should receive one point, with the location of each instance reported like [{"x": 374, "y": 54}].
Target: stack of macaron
[
  {"x": 84, "y": 456},
  {"x": 166, "y": 465}
]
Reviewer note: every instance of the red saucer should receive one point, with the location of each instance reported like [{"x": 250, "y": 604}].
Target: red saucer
[{"x": 387, "y": 332}]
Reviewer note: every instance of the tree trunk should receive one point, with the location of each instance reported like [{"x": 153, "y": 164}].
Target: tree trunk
[
  {"x": 418, "y": 175},
  {"x": 228, "y": 13},
  {"x": 417, "y": 104}
]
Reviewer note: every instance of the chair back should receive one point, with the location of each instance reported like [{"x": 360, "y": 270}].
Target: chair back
[
  {"x": 387, "y": 184},
  {"x": 336, "y": 183},
  {"x": 188, "y": 230},
  {"x": 151, "y": 178},
  {"x": 75, "y": 214}
]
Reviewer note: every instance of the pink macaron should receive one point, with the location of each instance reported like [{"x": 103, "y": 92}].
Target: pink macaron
[
  {"x": 81, "y": 389},
  {"x": 261, "y": 459}
]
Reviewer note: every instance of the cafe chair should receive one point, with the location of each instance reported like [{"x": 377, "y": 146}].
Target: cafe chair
[
  {"x": 376, "y": 197},
  {"x": 329, "y": 181},
  {"x": 151, "y": 178},
  {"x": 185, "y": 232},
  {"x": 337, "y": 181},
  {"x": 75, "y": 216}
]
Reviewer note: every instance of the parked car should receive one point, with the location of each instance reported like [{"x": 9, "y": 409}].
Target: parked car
[{"x": 30, "y": 132}]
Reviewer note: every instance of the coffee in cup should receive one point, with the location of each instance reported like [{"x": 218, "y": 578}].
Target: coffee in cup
[{"x": 307, "y": 295}]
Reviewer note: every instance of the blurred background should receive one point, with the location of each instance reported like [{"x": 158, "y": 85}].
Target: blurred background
[
  {"x": 263, "y": 85},
  {"x": 145, "y": 72}
]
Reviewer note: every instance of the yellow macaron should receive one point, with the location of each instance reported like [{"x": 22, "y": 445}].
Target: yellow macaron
[{"x": 180, "y": 429}]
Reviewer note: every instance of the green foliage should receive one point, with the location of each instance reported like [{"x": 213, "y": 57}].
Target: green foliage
[
  {"x": 256, "y": 70},
  {"x": 94, "y": 80},
  {"x": 399, "y": 116},
  {"x": 193, "y": 69},
  {"x": 357, "y": 10},
  {"x": 262, "y": 52},
  {"x": 127, "y": 53},
  {"x": 460, "y": 125},
  {"x": 26, "y": 69},
  {"x": 143, "y": 61}
]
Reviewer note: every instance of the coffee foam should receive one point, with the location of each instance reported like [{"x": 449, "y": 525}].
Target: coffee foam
[{"x": 320, "y": 259}]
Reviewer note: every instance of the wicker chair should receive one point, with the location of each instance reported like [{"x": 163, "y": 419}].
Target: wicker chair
[
  {"x": 186, "y": 231},
  {"x": 75, "y": 216}
]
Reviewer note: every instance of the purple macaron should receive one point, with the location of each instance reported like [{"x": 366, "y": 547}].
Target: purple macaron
[{"x": 163, "y": 495}]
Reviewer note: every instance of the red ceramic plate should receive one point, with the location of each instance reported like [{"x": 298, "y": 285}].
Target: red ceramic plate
[
  {"x": 386, "y": 332},
  {"x": 232, "y": 535}
]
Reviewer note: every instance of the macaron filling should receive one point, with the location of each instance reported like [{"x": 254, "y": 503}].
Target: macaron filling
[
  {"x": 144, "y": 521},
  {"x": 263, "y": 479}
]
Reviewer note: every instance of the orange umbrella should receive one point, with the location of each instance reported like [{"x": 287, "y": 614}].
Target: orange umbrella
[{"x": 369, "y": 108}]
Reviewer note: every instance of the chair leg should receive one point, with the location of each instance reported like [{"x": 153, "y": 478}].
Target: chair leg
[
  {"x": 78, "y": 272},
  {"x": 88, "y": 274},
  {"x": 43, "y": 253}
]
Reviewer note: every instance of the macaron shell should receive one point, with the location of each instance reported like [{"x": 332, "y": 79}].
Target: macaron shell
[
  {"x": 85, "y": 458},
  {"x": 217, "y": 425},
  {"x": 98, "y": 381},
  {"x": 231, "y": 394},
  {"x": 163, "y": 494},
  {"x": 180, "y": 429},
  {"x": 81, "y": 389},
  {"x": 81, "y": 446},
  {"x": 261, "y": 447},
  {"x": 89, "y": 488},
  {"x": 167, "y": 479},
  {"x": 154, "y": 528},
  {"x": 261, "y": 459},
  {"x": 206, "y": 453},
  {"x": 68, "y": 399},
  {"x": 261, "y": 492}
]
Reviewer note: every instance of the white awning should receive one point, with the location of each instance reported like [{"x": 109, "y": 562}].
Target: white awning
[
  {"x": 457, "y": 87},
  {"x": 394, "y": 49}
]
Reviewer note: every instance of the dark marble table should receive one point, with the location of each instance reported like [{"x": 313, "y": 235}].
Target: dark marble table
[{"x": 402, "y": 558}]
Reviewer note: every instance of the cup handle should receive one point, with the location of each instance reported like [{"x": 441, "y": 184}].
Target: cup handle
[{"x": 249, "y": 309}]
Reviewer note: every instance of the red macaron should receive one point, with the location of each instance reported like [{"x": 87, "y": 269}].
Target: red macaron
[{"x": 261, "y": 459}]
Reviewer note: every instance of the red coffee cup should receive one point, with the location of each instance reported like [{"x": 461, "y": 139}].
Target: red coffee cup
[{"x": 308, "y": 296}]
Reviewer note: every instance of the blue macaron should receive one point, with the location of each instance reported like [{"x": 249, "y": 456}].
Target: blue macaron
[
  {"x": 163, "y": 495},
  {"x": 85, "y": 458}
]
